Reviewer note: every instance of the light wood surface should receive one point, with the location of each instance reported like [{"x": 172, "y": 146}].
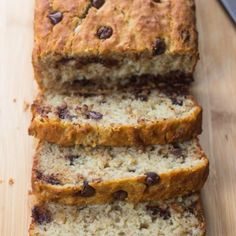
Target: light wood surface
[{"x": 215, "y": 88}]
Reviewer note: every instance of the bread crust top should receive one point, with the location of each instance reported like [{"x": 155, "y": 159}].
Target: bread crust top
[{"x": 135, "y": 26}]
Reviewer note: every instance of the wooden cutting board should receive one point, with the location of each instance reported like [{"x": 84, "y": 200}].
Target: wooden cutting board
[{"x": 215, "y": 88}]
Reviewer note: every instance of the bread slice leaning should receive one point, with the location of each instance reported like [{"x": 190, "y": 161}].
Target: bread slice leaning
[
  {"x": 116, "y": 117},
  {"x": 86, "y": 175},
  {"x": 180, "y": 216}
]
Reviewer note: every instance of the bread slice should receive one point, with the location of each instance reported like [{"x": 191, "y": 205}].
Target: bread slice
[
  {"x": 129, "y": 115},
  {"x": 86, "y": 175},
  {"x": 92, "y": 40},
  {"x": 181, "y": 216}
]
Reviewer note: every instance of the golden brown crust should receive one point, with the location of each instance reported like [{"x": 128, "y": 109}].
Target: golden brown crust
[
  {"x": 134, "y": 32},
  {"x": 174, "y": 183},
  {"x": 167, "y": 19}
]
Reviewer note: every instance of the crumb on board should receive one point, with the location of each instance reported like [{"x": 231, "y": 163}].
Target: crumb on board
[
  {"x": 226, "y": 137},
  {"x": 1, "y": 181},
  {"x": 14, "y": 100},
  {"x": 30, "y": 192},
  {"x": 11, "y": 181},
  {"x": 26, "y": 106}
]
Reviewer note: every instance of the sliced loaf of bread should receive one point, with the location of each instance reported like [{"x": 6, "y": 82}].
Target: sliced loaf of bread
[
  {"x": 181, "y": 216},
  {"x": 86, "y": 175},
  {"x": 124, "y": 116}
]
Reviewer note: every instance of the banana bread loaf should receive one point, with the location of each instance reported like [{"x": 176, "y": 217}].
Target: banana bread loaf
[
  {"x": 91, "y": 39},
  {"x": 181, "y": 216},
  {"x": 86, "y": 175}
]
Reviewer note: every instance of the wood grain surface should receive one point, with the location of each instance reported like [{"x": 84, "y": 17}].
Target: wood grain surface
[{"x": 215, "y": 88}]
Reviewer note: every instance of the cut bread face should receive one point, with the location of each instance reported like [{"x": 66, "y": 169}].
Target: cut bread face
[
  {"x": 126, "y": 116},
  {"x": 85, "y": 175},
  {"x": 180, "y": 216},
  {"x": 76, "y": 41}
]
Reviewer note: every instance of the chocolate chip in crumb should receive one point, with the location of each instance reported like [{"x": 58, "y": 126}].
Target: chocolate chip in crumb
[
  {"x": 152, "y": 178},
  {"x": 175, "y": 145},
  {"x": 55, "y": 17},
  {"x": 120, "y": 195},
  {"x": 97, "y": 3},
  {"x": 51, "y": 179},
  {"x": 63, "y": 112},
  {"x": 87, "y": 190},
  {"x": 104, "y": 32},
  {"x": 41, "y": 215},
  {"x": 72, "y": 158},
  {"x": 176, "y": 150},
  {"x": 177, "y": 101},
  {"x": 88, "y": 114},
  {"x": 159, "y": 46},
  {"x": 156, "y": 210},
  {"x": 95, "y": 115}
]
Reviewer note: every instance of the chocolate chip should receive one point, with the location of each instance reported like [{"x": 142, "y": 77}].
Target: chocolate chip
[
  {"x": 159, "y": 46},
  {"x": 177, "y": 101},
  {"x": 175, "y": 145},
  {"x": 41, "y": 215},
  {"x": 120, "y": 195},
  {"x": 157, "y": 1},
  {"x": 176, "y": 150},
  {"x": 71, "y": 158},
  {"x": 51, "y": 179},
  {"x": 87, "y": 190},
  {"x": 156, "y": 210},
  {"x": 152, "y": 178},
  {"x": 97, "y": 3},
  {"x": 104, "y": 32},
  {"x": 185, "y": 35},
  {"x": 55, "y": 17},
  {"x": 95, "y": 115},
  {"x": 63, "y": 112}
]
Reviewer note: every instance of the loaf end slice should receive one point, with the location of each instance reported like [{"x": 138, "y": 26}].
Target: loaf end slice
[
  {"x": 180, "y": 216},
  {"x": 76, "y": 40},
  {"x": 85, "y": 175},
  {"x": 136, "y": 115}
]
